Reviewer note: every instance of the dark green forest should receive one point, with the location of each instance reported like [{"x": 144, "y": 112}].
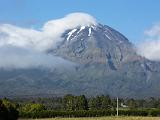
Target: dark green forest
[{"x": 76, "y": 106}]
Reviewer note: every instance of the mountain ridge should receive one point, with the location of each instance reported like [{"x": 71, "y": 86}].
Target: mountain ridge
[{"x": 105, "y": 63}]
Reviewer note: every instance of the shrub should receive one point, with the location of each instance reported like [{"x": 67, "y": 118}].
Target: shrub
[
  {"x": 8, "y": 110},
  {"x": 33, "y": 108},
  {"x": 155, "y": 112}
]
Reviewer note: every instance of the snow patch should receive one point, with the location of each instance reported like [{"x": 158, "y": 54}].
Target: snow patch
[
  {"x": 70, "y": 33},
  {"x": 90, "y": 31},
  {"x": 82, "y": 28},
  {"x": 93, "y": 27},
  {"x": 107, "y": 36}
]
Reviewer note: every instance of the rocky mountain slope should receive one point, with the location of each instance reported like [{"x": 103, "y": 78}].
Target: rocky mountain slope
[{"x": 105, "y": 62}]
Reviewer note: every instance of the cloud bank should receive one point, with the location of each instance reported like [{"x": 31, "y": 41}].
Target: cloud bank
[
  {"x": 23, "y": 58},
  {"x": 24, "y": 48},
  {"x": 150, "y": 47}
]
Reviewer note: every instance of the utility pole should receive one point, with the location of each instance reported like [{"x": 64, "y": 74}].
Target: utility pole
[{"x": 117, "y": 106}]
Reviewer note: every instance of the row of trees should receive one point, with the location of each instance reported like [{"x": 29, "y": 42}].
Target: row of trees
[
  {"x": 71, "y": 105},
  {"x": 102, "y": 102},
  {"x": 74, "y": 103}
]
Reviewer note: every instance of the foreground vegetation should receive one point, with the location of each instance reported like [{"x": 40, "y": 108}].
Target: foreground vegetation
[
  {"x": 102, "y": 118},
  {"x": 76, "y": 106},
  {"x": 8, "y": 110}
]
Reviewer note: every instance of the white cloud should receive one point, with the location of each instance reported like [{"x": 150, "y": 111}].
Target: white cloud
[
  {"x": 154, "y": 31},
  {"x": 23, "y": 48},
  {"x": 49, "y": 35},
  {"x": 14, "y": 57},
  {"x": 150, "y": 47}
]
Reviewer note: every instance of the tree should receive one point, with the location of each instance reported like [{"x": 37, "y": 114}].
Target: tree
[
  {"x": 68, "y": 102},
  {"x": 33, "y": 108},
  {"x": 8, "y": 110},
  {"x": 157, "y": 104},
  {"x": 98, "y": 102},
  {"x": 132, "y": 104},
  {"x": 106, "y": 102},
  {"x": 92, "y": 104},
  {"x": 151, "y": 102},
  {"x": 73, "y": 103},
  {"x": 82, "y": 103},
  {"x": 142, "y": 103},
  {"x": 3, "y": 111}
]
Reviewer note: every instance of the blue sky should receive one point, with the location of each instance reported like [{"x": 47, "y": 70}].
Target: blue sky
[{"x": 130, "y": 17}]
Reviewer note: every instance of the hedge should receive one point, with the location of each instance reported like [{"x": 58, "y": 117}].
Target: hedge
[
  {"x": 88, "y": 113},
  {"x": 154, "y": 113}
]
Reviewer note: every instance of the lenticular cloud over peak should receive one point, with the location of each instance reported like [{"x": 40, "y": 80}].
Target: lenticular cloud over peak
[
  {"x": 37, "y": 42},
  {"x": 48, "y": 36},
  {"x": 69, "y": 22}
]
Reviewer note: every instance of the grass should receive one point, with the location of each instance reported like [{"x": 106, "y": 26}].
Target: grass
[{"x": 101, "y": 118}]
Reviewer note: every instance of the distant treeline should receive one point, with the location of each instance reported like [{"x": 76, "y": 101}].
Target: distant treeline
[{"x": 78, "y": 106}]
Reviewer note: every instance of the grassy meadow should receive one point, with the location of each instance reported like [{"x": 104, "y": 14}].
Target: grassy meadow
[{"x": 101, "y": 118}]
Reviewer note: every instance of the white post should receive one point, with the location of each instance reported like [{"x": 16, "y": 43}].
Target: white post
[{"x": 117, "y": 106}]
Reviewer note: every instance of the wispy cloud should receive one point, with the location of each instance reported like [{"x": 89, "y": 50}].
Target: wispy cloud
[
  {"x": 23, "y": 48},
  {"x": 150, "y": 47}
]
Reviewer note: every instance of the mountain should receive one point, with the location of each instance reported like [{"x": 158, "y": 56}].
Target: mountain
[{"x": 103, "y": 61}]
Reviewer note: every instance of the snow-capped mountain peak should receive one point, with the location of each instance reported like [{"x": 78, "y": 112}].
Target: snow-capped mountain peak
[
  {"x": 73, "y": 33},
  {"x": 104, "y": 63}
]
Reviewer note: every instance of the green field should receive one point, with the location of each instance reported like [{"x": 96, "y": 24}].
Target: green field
[{"x": 102, "y": 118}]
